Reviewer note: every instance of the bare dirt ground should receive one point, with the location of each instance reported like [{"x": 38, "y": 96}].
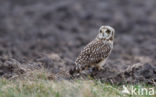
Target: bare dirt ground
[{"x": 51, "y": 33}]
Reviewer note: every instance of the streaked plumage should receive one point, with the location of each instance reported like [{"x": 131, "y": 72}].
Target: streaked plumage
[{"x": 96, "y": 52}]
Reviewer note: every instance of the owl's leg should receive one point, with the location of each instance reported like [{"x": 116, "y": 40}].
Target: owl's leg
[
  {"x": 99, "y": 67},
  {"x": 101, "y": 64}
]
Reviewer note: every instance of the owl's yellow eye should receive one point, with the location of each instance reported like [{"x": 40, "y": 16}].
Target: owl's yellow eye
[{"x": 108, "y": 31}]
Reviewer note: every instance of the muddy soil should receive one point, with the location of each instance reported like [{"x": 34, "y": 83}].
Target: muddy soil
[{"x": 51, "y": 33}]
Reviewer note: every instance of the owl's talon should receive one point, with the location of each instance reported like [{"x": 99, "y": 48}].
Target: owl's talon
[{"x": 100, "y": 68}]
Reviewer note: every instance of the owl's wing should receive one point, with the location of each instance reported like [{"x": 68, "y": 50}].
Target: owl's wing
[{"x": 93, "y": 53}]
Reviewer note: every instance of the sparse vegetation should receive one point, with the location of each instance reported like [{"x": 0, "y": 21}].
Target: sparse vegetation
[{"x": 36, "y": 84}]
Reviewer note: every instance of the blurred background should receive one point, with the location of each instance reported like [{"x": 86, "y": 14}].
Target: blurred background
[{"x": 30, "y": 28}]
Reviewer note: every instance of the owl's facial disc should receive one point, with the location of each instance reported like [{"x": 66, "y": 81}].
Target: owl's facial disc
[{"x": 105, "y": 32}]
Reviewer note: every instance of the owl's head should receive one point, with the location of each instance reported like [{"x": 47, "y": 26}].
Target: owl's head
[{"x": 106, "y": 33}]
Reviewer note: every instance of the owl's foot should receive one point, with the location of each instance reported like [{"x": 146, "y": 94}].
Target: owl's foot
[
  {"x": 97, "y": 68},
  {"x": 100, "y": 68}
]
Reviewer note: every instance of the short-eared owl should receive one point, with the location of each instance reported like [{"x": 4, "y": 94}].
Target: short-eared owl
[{"x": 97, "y": 51}]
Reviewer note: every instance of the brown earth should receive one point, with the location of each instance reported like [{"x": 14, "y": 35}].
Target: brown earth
[{"x": 51, "y": 33}]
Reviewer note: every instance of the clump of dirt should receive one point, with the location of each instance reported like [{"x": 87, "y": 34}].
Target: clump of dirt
[
  {"x": 133, "y": 74},
  {"x": 140, "y": 73},
  {"x": 10, "y": 67},
  {"x": 56, "y": 65}
]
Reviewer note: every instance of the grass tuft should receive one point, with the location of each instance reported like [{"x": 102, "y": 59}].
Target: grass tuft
[{"x": 36, "y": 84}]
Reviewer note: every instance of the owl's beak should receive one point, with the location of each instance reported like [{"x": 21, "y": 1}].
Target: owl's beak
[{"x": 105, "y": 34}]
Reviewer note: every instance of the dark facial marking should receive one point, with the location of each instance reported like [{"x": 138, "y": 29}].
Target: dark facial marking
[
  {"x": 100, "y": 31},
  {"x": 108, "y": 31}
]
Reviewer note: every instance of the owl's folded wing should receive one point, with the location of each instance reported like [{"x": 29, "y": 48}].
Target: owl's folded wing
[{"x": 93, "y": 53}]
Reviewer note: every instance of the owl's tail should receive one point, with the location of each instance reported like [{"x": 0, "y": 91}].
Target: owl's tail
[{"x": 77, "y": 70}]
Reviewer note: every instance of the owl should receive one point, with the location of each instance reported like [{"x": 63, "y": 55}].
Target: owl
[{"x": 97, "y": 51}]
